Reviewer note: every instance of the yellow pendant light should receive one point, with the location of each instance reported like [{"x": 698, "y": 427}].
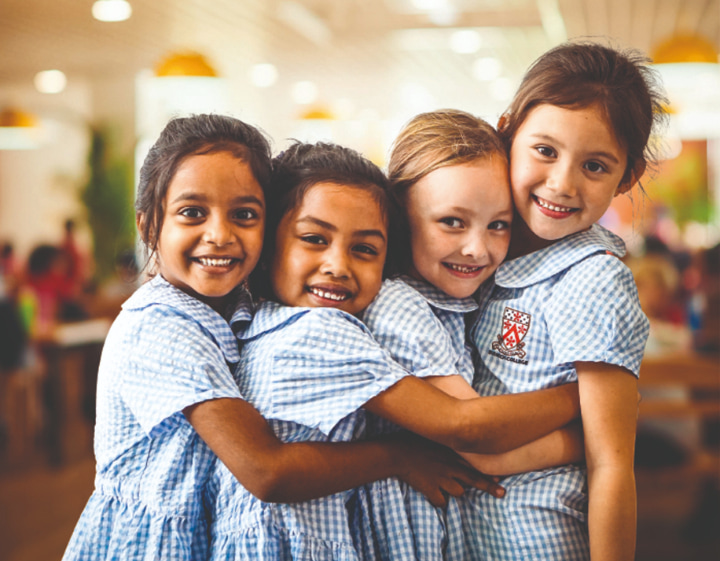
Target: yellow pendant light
[
  {"x": 19, "y": 130},
  {"x": 187, "y": 63},
  {"x": 13, "y": 117},
  {"x": 685, "y": 48}
]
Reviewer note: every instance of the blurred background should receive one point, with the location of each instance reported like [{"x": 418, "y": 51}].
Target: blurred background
[{"x": 86, "y": 86}]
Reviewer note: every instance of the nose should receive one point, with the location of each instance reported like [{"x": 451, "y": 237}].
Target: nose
[
  {"x": 335, "y": 263},
  {"x": 474, "y": 245},
  {"x": 562, "y": 180},
  {"x": 218, "y": 232}
]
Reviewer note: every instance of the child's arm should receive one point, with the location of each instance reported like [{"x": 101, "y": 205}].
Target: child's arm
[
  {"x": 485, "y": 424},
  {"x": 608, "y": 396},
  {"x": 275, "y": 471},
  {"x": 560, "y": 447}
]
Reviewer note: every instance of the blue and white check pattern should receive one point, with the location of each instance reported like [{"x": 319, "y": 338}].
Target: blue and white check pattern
[
  {"x": 164, "y": 352},
  {"x": 308, "y": 371},
  {"x": 572, "y": 301},
  {"x": 424, "y": 330}
]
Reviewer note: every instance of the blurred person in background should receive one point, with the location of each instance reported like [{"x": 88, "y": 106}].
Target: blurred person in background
[
  {"x": 76, "y": 264},
  {"x": 13, "y": 340},
  {"x": 49, "y": 294},
  {"x": 112, "y": 293},
  {"x": 658, "y": 280},
  {"x": 705, "y": 303},
  {"x": 8, "y": 270}
]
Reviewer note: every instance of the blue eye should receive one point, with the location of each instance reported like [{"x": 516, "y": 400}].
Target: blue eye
[
  {"x": 499, "y": 225},
  {"x": 452, "y": 222}
]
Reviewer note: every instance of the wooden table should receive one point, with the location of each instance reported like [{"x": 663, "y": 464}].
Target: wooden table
[{"x": 83, "y": 341}]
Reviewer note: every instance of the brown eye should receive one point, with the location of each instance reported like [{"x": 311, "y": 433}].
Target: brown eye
[
  {"x": 595, "y": 167},
  {"x": 191, "y": 212},
  {"x": 245, "y": 214},
  {"x": 366, "y": 249},
  {"x": 313, "y": 239},
  {"x": 546, "y": 151}
]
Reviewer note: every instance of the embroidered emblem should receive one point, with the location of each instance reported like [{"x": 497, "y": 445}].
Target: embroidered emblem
[{"x": 515, "y": 326}]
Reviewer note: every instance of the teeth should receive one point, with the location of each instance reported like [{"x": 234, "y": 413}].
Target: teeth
[
  {"x": 556, "y": 208},
  {"x": 213, "y": 262},
  {"x": 462, "y": 269},
  {"x": 334, "y": 296}
]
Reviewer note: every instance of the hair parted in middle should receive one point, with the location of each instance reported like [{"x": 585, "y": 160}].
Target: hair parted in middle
[
  {"x": 181, "y": 138},
  {"x": 295, "y": 171},
  {"x": 446, "y": 137}
]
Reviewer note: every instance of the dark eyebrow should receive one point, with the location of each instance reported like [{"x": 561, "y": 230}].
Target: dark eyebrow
[
  {"x": 553, "y": 140},
  {"x": 333, "y": 228},
  {"x": 193, "y": 196},
  {"x": 366, "y": 233}
]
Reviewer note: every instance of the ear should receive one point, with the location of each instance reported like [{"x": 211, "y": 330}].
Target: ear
[
  {"x": 140, "y": 224},
  {"x": 635, "y": 174}
]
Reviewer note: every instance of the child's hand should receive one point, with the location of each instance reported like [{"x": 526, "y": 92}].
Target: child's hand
[{"x": 436, "y": 471}]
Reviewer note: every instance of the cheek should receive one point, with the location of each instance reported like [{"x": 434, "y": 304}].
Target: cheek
[
  {"x": 499, "y": 249},
  {"x": 280, "y": 272},
  {"x": 520, "y": 174},
  {"x": 372, "y": 281}
]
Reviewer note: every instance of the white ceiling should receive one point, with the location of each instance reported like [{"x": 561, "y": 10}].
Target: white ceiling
[
  {"x": 350, "y": 44},
  {"x": 41, "y": 34}
]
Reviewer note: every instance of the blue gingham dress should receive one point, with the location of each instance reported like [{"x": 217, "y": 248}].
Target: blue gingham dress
[
  {"x": 424, "y": 330},
  {"x": 165, "y": 351},
  {"x": 308, "y": 371},
  {"x": 572, "y": 301}
]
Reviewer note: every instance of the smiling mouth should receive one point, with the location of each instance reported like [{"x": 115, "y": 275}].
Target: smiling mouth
[
  {"x": 332, "y": 295},
  {"x": 215, "y": 261},
  {"x": 547, "y": 205},
  {"x": 464, "y": 269}
]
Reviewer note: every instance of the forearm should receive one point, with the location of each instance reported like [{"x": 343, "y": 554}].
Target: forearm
[
  {"x": 609, "y": 403},
  {"x": 502, "y": 423},
  {"x": 275, "y": 471},
  {"x": 486, "y": 425},
  {"x": 612, "y": 514},
  {"x": 560, "y": 447},
  {"x": 308, "y": 470}
]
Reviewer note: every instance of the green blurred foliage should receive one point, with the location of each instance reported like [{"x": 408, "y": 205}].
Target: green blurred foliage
[{"x": 108, "y": 198}]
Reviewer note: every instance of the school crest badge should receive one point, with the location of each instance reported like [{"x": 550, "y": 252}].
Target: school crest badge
[{"x": 515, "y": 325}]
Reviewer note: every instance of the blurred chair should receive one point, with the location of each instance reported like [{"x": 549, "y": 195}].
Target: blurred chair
[
  {"x": 679, "y": 479},
  {"x": 20, "y": 386}
]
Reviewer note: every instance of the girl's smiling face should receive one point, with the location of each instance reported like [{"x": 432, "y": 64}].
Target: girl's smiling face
[
  {"x": 330, "y": 251},
  {"x": 565, "y": 168},
  {"x": 212, "y": 233},
  {"x": 459, "y": 219}
]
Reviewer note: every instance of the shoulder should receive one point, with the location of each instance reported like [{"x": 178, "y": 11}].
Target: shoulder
[
  {"x": 554, "y": 261},
  {"x": 159, "y": 315},
  {"x": 395, "y": 294},
  {"x": 288, "y": 325},
  {"x": 598, "y": 272}
]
